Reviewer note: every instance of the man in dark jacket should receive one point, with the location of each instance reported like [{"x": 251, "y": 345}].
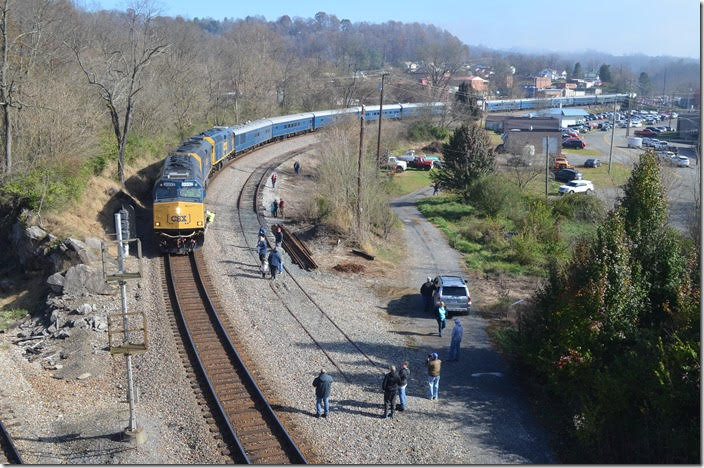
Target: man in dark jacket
[
  {"x": 276, "y": 263},
  {"x": 426, "y": 291},
  {"x": 322, "y": 384},
  {"x": 278, "y": 236},
  {"x": 261, "y": 250},
  {"x": 390, "y": 386}
]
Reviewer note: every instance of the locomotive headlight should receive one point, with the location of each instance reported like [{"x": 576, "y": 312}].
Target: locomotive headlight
[
  {"x": 178, "y": 210},
  {"x": 199, "y": 223},
  {"x": 157, "y": 223}
]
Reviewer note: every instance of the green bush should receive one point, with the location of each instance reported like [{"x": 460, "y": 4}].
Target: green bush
[
  {"x": 50, "y": 188},
  {"x": 494, "y": 195},
  {"x": 539, "y": 222},
  {"x": 579, "y": 207},
  {"x": 526, "y": 249},
  {"x": 420, "y": 131}
]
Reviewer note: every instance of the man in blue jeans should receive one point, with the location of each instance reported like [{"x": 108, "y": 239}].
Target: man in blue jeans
[
  {"x": 403, "y": 375},
  {"x": 322, "y": 384},
  {"x": 434, "y": 364},
  {"x": 455, "y": 341}
]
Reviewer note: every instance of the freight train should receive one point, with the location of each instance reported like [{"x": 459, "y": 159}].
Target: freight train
[
  {"x": 179, "y": 192},
  {"x": 539, "y": 103}
]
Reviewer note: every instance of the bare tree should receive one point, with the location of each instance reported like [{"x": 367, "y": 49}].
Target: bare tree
[
  {"x": 525, "y": 168},
  {"x": 115, "y": 69}
]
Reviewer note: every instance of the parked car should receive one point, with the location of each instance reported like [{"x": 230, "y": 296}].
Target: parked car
[
  {"x": 566, "y": 175},
  {"x": 573, "y": 143},
  {"x": 453, "y": 291},
  {"x": 576, "y": 186},
  {"x": 645, "y": 133},
  {"x": 680, "y": 161},
  {"x": 394, "y": 164},
  {"x": 592, "y": 162},
  {"x": 420, "y": 162},
  {"x": 666, "y": 156}
]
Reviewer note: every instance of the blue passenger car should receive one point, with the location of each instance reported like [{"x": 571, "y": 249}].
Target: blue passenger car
[
  {"x": 391, "y": 111},
  {"x": 251, "y": 135},
  {"x": 330, "y": 117},
  {"x": 290, "y": 125}
]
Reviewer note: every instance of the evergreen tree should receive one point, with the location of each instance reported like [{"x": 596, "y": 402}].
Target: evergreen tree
[
  {"x": 467, "y": 157},
  {"x": 644, "y": 84},
  {"x": 605, "y": 73},
  {"x": 463, "y": 93},
  {"x": 577, "y": 72}
]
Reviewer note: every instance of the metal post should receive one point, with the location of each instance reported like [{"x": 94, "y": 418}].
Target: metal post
[
  {"x": 359, "y": 173},
  {"x": 628, "y": 124},
  {"x": 699, "y": 151},
  {"x": 381, "y": 112},
  {"x": 613, "y": 130},
  {"x": 547, "y": 143},
  {"x": 125, "y": 322}
]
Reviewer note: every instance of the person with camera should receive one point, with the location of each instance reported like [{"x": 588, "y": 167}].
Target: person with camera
[{"x": 434, "y": 364}]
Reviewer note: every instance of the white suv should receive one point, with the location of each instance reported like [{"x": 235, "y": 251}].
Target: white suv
[{"x": 576, "y": 186}]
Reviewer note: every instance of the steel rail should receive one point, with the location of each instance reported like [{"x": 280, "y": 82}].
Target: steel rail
[{"x": 8, "y": 447}]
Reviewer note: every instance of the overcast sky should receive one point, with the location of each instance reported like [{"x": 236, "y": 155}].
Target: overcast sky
[{"x": 650, "y": 27}]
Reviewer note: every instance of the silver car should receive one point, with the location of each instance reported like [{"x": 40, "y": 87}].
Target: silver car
[{"x": 453, "y": 291}]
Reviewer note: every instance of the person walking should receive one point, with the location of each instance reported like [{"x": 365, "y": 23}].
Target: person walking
[
  {"x": 278, "y": 237},
  {"x": 426, "y": 292},
  {"x": 297, "y": 167},
  {"x": 262, "y": 232},
  {"x": 440, "y": 317},
  {"x": 281, "y": 207},
  {"x": 323, "y": 385},
  {"x": 276, "y": 263},
  {"x": 403, "y": 375},
  {"x": 434, "y": 364},
  {"x": 455, "y": 341},
  {"x": 436, "y": 188},
  {"x": 390, "y": 386},
  {"x": 261, "y": 250},
  {"x": 273, "y": 180}
]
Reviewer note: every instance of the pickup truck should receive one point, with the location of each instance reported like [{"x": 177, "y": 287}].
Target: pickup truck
[
  {"x": 419, "y": 162},
  {"x": 395, "y": 164},
  {"x": 561, "y": 163}
]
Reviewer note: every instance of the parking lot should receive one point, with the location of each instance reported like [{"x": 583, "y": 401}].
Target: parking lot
[{"x": 681, "y": 182}]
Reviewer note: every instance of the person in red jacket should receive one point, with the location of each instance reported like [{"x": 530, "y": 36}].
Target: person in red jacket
[
  {"x": 273, "y": 180},
  {"x": 281, "y": 207}
]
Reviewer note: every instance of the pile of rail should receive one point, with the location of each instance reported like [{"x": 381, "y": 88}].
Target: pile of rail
[
  {"x": 299, "y": 253},
  {"x": 255, "y": 431},
  {"x": 9, "y": 454}
]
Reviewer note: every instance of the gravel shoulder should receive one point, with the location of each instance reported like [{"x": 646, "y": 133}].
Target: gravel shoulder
[{"x": 477, "y": 419}]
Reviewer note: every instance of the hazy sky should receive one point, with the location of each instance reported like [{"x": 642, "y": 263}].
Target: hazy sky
[{"x": 651, "y": 27}]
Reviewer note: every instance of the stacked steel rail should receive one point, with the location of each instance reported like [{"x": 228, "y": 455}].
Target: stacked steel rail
[
  {"x": 297, "y": 250},
  {"x": 254, "y": 428},
  {"x": 10, "y": 455}
]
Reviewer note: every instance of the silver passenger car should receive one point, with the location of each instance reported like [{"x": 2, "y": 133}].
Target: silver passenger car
[{"x": 453, "y": 291}]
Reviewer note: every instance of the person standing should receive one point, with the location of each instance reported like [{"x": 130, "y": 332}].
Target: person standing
[
  {"x": 403, "y": 375},
  {"x": 323, "y": 385},
  {"x": 455, "y": 341},
  {"x": 278, "y": 237},
  {"x": 390, "y": 386},
  {"x": 262, "y": 232},
  {"x": 436, "y": 188},
  {"x": 276, "y": 263},
  {"x": 426, "y": 292},
  {"x": 273, "y": 180},
  {"x": 440, "y": 317},
  {"x": 434, "y": 364},
  {"x": 275, "y": 204},
  {"x": 261, "y": 250},
  {"x": 281, "y": 207},
  {"x": 297, "y": 167}
]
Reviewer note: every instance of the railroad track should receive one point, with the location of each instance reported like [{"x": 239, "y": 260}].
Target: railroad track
[
  {"x": 9, "y": 454},
  {"x": 253, "y": 431},
  {"x": 297, "y": 250},
  {"x": 296, "y": 300}
]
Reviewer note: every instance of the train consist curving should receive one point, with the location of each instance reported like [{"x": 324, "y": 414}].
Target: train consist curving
[
  {"x": 179, "y": 192},
  {"x": 540, "y": 103}
]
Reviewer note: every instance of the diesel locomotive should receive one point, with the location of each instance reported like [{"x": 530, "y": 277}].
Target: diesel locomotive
[{"x": 179, "y": 192}]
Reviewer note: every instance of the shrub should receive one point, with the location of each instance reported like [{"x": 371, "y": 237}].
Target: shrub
[
  {"x": 493, "y": 195},
  {"x": 419, "y": 131},
  {"x": 539, "y": 222},
  {"x": 525, "y": 249},
  {"x": 486, "y": 230},
  {"x": 580, "y": 207}
]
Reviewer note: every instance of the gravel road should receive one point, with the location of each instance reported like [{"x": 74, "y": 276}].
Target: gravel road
[{"x": 478, "y": 419}]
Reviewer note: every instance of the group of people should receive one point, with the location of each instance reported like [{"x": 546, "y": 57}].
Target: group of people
[
  {"x": 426, "y": 291},
  {"x": 277, "y": 208},
  {"x": 274, "y": 263},
  {"x": 394, "y": 382}
]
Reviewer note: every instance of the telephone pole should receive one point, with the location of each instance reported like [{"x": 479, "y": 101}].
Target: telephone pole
[
  {"x": 547, "y": 166},
  {"x": 613, "y": 129},
  {"x": 381, "y": 113},
  {"x": 628, "y": 123},
  {"x": 359, "y": 172}
]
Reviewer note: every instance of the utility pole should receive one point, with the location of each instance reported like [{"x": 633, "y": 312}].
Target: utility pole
[
  {"x": 699, "y": 150},
  {"x": 381, "y": 113},
  {"x": 359, "y": 173},
  {"x": 628, "y": 124},
  {"x": 547, "y": 144},
  {"x": 613, "y": 130}
]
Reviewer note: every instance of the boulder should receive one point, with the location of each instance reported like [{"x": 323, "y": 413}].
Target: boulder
[
  {"x": 94, "y": 243},
  {"x": 62, "y": 334},
  {"x": 78, "y": 250},
  {"x": 56, "y": 282},
  {"x": 81, "y": 279},
  {"x": 97, "y": 322},
  {"x": 76, "y": 322},
  {"x": 55, "y": 316},
  {"x": 35, "y": 233},
  {"x": 85, "y": 309}
]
